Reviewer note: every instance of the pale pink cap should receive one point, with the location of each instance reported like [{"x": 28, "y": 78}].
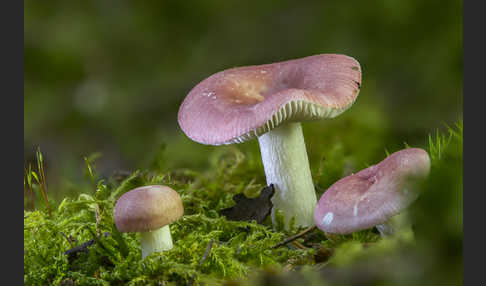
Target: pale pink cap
[
  {"x": 238, "y": 104},
  {"x": 147, "y": 208},
  {"x": 373, "y": 195}
]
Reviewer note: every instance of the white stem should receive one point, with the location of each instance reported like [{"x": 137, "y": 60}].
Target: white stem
[
  {"x": 156, "y": 241},
  {"x": 287, "y": 168}
]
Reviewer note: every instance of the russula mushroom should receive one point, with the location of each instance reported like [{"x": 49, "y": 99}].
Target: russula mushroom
[
  {"x": 374, "y": 195},
  {"x": 149, "y": 210},
  {"x": 269, "y": 101}
]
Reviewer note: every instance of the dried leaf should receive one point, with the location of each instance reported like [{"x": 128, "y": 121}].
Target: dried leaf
[{"x": 250, "y": 208}]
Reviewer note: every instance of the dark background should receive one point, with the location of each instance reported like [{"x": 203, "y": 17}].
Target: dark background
[{"x": 109, "y": 76}]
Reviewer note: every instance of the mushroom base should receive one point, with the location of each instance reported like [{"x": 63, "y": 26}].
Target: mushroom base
[
  {"x": 286, "y": 167},
  {"x": 156, "y": 241}
]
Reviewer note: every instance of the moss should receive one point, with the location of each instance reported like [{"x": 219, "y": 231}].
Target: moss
[{"x": 239, "y": 248}]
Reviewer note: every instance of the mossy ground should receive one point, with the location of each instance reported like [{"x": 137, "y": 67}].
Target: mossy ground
[{"x": 242, "y": 252}]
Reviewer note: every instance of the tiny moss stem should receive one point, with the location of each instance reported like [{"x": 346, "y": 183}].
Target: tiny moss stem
[
  {"x": 156, "y": 241},
  {"x": 286, "y": 167}
]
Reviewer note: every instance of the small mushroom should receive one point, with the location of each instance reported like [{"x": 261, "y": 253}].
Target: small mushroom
[
  {"x": 149, "y": 210},
  {"x": 268, "y": 102},
  {"x": 374, "y": 195}
]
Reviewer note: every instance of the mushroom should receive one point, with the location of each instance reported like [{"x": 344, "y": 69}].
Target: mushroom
[
  {"x": 149, "y": 210},
  {"x": 373, "y": 196},
  {"x": 269, "y": 102}
]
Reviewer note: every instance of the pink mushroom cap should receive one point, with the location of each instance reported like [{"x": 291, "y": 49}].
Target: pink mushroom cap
[
  {"x": 241, "y": 103},
  {"x": 373, "y": 195}
]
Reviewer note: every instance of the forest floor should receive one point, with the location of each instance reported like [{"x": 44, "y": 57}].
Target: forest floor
[{"x": 75, "y": 241}]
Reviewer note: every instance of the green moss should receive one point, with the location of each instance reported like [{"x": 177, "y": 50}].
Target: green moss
[
  {"x": 239, "y": 248},
  {"x": 116, "y": 259}
]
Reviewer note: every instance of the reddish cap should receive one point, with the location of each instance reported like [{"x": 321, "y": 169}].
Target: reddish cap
[
  {"x": 373, "y": 195},
  {"x": 238, "y": 104},
  {"x": 147, "y": 208}
]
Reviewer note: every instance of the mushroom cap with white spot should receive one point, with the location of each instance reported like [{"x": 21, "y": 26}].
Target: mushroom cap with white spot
[
  {"x": 373, "y": 195},
  {"x": 241, "y": 103}
]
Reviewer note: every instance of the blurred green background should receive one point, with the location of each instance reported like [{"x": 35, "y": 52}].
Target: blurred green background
[{"x": 109, "y": 76}]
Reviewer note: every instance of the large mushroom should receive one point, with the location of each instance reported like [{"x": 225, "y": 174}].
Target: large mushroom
[
  {"x": 149, "y": 210},
  {"x": 269, "y": 102},
  {"x": 373, "y": 196}
]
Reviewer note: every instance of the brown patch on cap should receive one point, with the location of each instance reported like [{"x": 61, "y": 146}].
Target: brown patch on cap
[{"x": 241, "y": 90}]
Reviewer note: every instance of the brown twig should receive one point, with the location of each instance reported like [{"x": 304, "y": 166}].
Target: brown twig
[
  {"x": 71, "y": 253},
  {"x": 292, "y": 238},
  {"x": 203, "y": 258},
  {"x": 67, "y": 238},
  {"x": 298, "y": 244}
]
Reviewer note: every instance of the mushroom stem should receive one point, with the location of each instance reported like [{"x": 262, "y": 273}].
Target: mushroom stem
[
  {"x": 156, "y": 241},
  {"x": 286, "y": 167}
]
